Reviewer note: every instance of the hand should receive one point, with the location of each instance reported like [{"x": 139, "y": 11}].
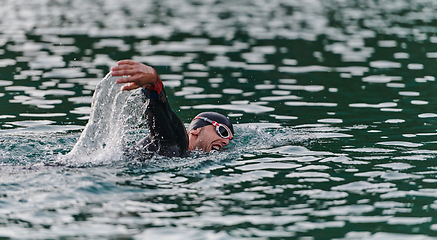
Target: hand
[{"x": 138, "y": 74}]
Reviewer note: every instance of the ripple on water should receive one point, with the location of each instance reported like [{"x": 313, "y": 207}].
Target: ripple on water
[
  {"x": 330, "y": 120},
  {"x": 5, "y": 83},
  {"x": 42, "y": 115},
  {"x": 321, "y": 194},
  {"x": 281, "y": 117},
  {"x": 39, "y": 103},
  {"x": 248, "y": 108},
  {"x": 385, "y": 64},
  {"x": 369, "y": 150},
  {"x": 47, "y": 62},
  {"x": 304, "y": 69},
  {"x": 263, "y": 166},
  {"x": 7, "y": 62},
  {"x": 7, "y": 116},
  {"x": 394, "y": 121},
  {"x": 395, "y": 166},
  {"x": 427, "y": 115},
  {"x": 296, "y": 150},
  {"x": 308, "y": 88},
  {"x": 65, "y": 73},
  {"x": 415, "y": 66},
  {"x": 400, "y": 143},
  {"x": 378, "y": 105},
  {"x": 80, "y": 100},
  {"x": 334, "y": 177},
  {"x": 360, "y": 186},
  {"x": 379, "y": 79},
  {"x": 183, "y": 233},
  {"x": 163, "y": 60},
  {"x": 409, "y": 93},
  {"x": 311, "y": 104},
  {"x": 53, "y": 92},
  {"x": 115, "y": 43}
]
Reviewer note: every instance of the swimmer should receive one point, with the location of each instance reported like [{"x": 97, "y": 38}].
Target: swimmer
[{"x": 168, "y": 137}]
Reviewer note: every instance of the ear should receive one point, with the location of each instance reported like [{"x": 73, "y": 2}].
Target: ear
[{"x": 195, "y": 132}]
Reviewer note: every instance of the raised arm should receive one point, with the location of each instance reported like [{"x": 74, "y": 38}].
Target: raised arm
[{"x": 167, "y": 133}]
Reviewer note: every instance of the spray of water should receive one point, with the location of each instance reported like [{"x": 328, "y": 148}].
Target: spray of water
[{"x": 114, "y": 115}]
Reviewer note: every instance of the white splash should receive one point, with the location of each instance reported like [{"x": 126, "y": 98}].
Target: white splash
[{"x": 113, "y": 114}]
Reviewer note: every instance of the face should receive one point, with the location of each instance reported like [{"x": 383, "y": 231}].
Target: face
[{"x": 206, "y": 139}]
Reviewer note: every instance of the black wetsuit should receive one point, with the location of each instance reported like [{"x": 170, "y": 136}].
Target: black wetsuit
[{"x": 167, "y": 136}]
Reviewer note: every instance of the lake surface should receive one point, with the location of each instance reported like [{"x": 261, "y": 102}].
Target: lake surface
[{"x": 334, "y": 104}]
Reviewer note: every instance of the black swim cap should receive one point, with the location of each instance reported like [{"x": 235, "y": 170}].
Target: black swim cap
[{"x": 197, "y": 123}]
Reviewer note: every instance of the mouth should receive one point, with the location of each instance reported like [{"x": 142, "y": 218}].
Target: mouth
[{"x": 215, "y": 147}]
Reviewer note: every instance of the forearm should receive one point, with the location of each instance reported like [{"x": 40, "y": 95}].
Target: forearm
[{"x": 164, "y": 125}]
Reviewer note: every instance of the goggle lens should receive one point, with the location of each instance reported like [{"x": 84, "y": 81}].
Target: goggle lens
[
  {"x": 219, "y": 128},
  {"x": 222, "y": 131}
]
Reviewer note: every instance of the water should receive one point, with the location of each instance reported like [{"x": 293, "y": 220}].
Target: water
[{"x": 333, "y": 104}]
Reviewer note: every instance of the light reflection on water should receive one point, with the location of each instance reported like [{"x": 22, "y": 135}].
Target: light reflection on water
[{"x": 333, "y": 103}]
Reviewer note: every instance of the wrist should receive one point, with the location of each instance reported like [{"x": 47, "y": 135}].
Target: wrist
[{"x": 157, "y": 86}]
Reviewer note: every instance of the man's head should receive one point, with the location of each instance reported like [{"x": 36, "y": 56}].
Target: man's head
[{"x": 209, "y": 131}]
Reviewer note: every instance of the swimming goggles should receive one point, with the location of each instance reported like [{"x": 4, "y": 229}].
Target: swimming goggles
[{"x": 221, "y": 129}]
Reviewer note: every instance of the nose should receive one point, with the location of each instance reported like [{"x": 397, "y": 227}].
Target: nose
[{"x": 225, "y": 141}]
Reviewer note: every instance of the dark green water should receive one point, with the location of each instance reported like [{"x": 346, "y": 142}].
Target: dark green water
[{"x": 334, "y": 105}]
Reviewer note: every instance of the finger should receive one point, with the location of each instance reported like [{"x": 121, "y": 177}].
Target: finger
[
  {"x": 124, "y": 71},
  {"x": 123, "y": 66},
  {"x": 129, "y": 87},
  {"x": 130, "y": 79},
  {"x": 126, "y": 62}
]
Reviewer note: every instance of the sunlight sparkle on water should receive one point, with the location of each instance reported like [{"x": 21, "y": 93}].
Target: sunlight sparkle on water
[{"x": 332, "y": 104}]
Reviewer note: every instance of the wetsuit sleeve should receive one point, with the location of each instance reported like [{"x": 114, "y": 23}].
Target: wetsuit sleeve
[{"x": 167, "y": 135}]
